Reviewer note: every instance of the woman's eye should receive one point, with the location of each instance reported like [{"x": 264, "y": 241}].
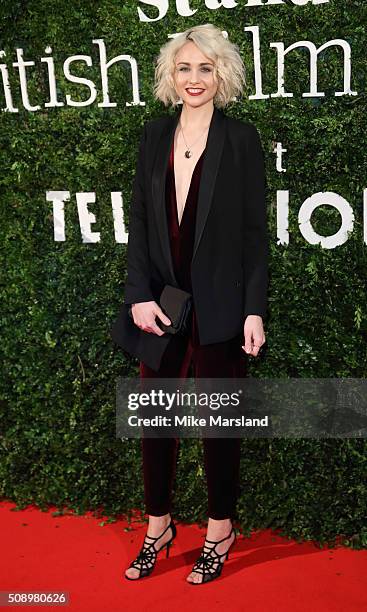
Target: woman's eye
[{"x": 184, "y": 68}]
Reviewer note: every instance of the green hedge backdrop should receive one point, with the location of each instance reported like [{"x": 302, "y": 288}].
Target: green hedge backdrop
[{"x": 59, "y": 299}]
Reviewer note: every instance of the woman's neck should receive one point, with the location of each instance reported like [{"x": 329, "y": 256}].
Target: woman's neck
[{"x": 193, "y": 119}]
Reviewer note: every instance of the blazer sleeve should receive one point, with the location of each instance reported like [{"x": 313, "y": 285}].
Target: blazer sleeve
[
  {"x": 256, "y": 244},
  {"x": 137, "y": 286}
]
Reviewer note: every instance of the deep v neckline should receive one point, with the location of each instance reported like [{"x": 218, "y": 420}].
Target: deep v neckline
[{"x": 189, "y": 189}]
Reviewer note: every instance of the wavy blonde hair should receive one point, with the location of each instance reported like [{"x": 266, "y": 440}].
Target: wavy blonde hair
[{"x": 229, "y": 69}]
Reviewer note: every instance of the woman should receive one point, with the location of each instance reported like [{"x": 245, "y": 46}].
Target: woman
[{"x": 197, "y": 222}]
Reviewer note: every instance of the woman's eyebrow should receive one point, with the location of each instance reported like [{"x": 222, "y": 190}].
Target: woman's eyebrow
[{"x": 200, "y": 64}]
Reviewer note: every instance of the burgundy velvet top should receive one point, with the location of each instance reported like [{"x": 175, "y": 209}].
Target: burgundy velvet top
[{"x": 182, "y": 235}]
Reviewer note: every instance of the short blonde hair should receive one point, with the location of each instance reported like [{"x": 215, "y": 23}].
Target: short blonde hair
[{"x": 229, "y": 69}]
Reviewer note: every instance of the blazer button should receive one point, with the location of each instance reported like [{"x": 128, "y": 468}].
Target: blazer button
[{"x": 238, "y": 283}]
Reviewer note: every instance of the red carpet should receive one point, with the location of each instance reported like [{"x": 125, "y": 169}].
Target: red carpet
[{"x": 265, "y": 573}]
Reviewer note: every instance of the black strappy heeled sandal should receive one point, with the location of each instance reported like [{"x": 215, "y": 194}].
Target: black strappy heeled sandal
[
  {"x": 210, "y": 563},
  {"x": 145, "y": 561}
]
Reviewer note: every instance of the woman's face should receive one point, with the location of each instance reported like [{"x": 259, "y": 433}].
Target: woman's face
[{"x": 194, "y": 71}]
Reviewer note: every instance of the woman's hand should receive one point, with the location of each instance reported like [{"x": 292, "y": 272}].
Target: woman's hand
[
  {"x": 144, "y": 314},
  {"x": 253, "y": 332}
]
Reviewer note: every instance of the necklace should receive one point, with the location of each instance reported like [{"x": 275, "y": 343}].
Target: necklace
[{"x": 188, "y": 149}]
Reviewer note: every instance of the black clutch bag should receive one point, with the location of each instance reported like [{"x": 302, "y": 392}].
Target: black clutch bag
[{"x": 177, "y": 306}]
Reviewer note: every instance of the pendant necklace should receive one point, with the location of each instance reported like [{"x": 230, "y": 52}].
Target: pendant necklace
[{"x": 188, "y": 152}]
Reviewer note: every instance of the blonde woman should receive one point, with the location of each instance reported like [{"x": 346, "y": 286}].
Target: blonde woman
[{"x": 197, "y": 222}]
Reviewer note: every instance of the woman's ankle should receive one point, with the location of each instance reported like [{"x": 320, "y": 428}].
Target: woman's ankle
[
  {"x": 158, "y": 522},
  {"x": 219, "y": 525}
]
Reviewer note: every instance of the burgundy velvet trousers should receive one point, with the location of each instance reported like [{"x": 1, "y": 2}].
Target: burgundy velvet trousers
[{"x": 182, "y": 358}]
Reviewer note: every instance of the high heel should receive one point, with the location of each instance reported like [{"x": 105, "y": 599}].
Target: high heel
[
  {"x": 210, "y": 563},
  {"x": 145, "y": 561}
]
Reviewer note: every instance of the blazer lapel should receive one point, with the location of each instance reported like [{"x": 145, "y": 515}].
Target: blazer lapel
[
  {"x": 209, "y": 171},
  {"x": 212, "y": 156},
  {"x": 159, "y": 188}
]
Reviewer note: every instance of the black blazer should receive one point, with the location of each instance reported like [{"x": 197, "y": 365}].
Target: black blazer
[{"x": 229, "y": 269}]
